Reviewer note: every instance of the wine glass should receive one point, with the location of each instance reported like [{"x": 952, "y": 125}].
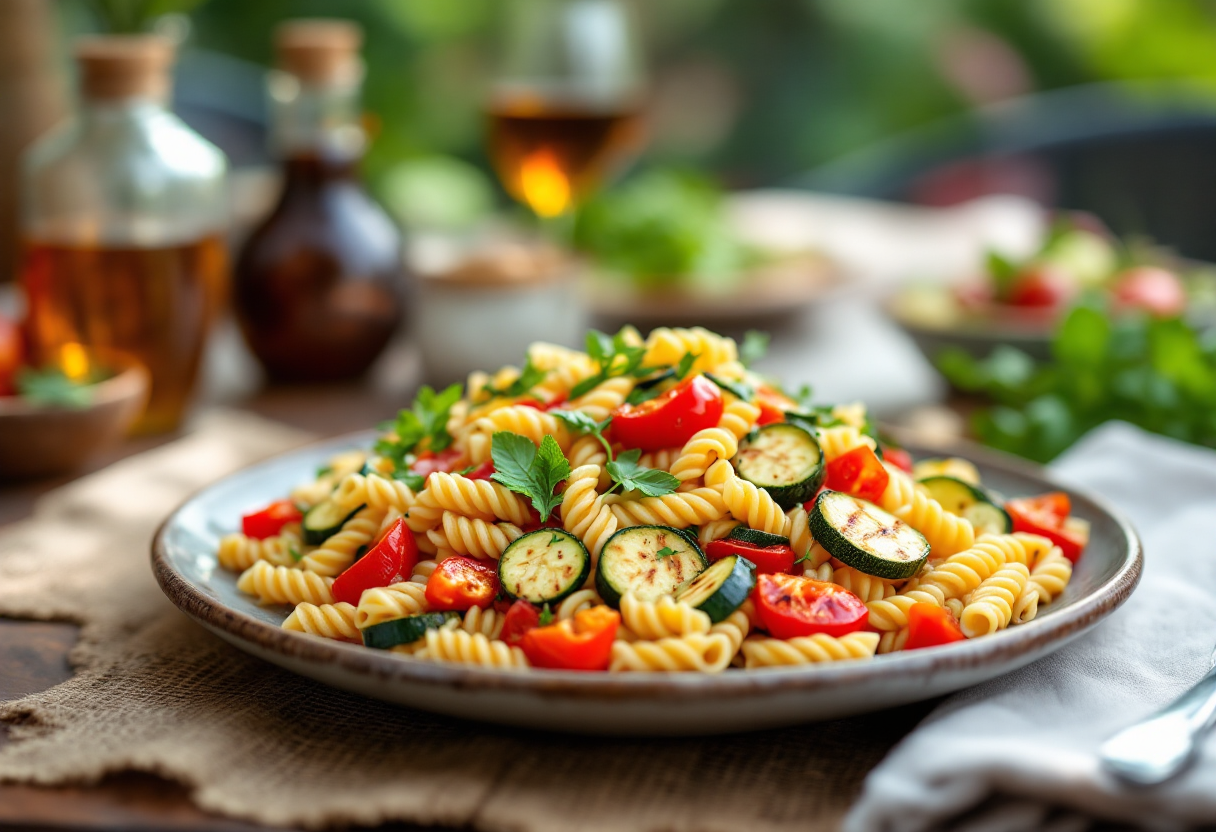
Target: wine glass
[{"x": 565, "y": 106}]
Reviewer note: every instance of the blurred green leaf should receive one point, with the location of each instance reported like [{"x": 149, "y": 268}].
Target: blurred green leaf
[{"x": 1083, "y": 338}]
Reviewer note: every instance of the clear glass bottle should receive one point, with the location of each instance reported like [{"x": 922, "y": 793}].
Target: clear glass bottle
[
  {"x": 123, "y": 217},
  {"x": 320, "y": 286}
]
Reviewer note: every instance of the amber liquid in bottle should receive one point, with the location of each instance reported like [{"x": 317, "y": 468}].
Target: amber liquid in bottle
[
  {"x": 319, "y": 287},
  {"x": 152, "y": 304},
  {"x": 550, "y": 154}
]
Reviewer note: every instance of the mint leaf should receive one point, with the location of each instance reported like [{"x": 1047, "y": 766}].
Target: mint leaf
[
  {"x": 665, "y": 552},
  {"x": 528, "y": 470},
  {"x": 628, "y": 474},
  {"x": 755, "y": 347}
]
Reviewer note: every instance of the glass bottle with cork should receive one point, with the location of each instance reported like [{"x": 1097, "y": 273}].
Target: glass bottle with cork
[
  {"x": 320, "y": 286},
  {"x": 123, "y": 217}
]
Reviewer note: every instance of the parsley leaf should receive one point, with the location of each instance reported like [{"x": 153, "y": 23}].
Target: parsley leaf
[
  {"x": 546, "y": 616},
  {"x": 615, "y": 358},
  {"x": 651, "y": 482},
  {"x": 415, "y": 482},
  {"x": 529, "y": 378},
  {"x": 52, "y": 387},
  {"x": 581, "y": 423},
  {"x": 666, "y": 551},
  {"x": 528, "y": 470},
  {"x": 740, "y": 389},
  {"x": 556, "y": 538},
  {"x": 755, "y": 347},
  {"x": 324, "y": 471},
  {"x": 426, "y": 420},
  {"x": 685, "y": 365}
]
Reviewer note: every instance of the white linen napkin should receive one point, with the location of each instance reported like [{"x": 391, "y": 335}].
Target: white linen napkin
[{"x": 1030, "y": 739}]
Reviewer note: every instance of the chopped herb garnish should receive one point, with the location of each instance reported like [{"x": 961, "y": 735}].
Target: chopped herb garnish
[
  {"x": 807, "y": 556},
  {"x": 685, "y": 365},
  {"x": 324, "y": 471},
  {"x": 546, "y": 616},
  {"x": 415, "y": 482},
  {"x": 426, "y": 421},
  {"x": 528, "y": 470},
  {"x": 294, "y": 552},
  {"x": 666, "y": 551},
  {"x": 557, "y": 538},
  {"x": 755, "y": 347},
  {"x": 614, "y": 357},
  {"x": 740, "y": 389},
  {"x": 624, "y": 469},
  {"x": 528, "y": 378}
]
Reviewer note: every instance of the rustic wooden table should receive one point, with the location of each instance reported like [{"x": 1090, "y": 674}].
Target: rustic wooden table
[{"x": 33, "y": 656}]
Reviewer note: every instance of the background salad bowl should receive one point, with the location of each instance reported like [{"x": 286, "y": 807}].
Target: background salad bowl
[{"x": 184, "y": 561}]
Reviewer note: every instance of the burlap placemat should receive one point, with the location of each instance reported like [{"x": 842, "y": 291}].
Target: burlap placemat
[{"x": 156, "y": 693}]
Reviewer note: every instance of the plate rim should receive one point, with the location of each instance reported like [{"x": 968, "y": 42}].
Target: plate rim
[{"x": 1030, "y": 638}]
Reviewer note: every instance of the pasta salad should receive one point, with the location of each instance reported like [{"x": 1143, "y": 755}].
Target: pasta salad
[{"x": 648, "y": 504}]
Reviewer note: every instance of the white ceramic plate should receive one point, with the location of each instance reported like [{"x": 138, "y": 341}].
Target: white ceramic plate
[{"x": 183, "y": 557}]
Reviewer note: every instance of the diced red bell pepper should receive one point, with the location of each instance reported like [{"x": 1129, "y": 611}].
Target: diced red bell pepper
[
  {"x": 930, "y": 625},
  {"x": 858, "y": 472},
  {"x": 772, "y": 405},
  {"x": 1047, "y": 515},
  {"x": 460, "y": 584},
  {"x": 392, "y": 559},
  {"x": 429, "y": 462},
  {"x": 482, "y": 472},
  {"x": 671, "y": 419},
  {"x": 790, "y": 606},
  {"x": 898, "y": 457},
  {"x": 583, "y": 642},
  {"x": 520, "y": 618},
  {"x": 768, "y": 559},
  {"x": 270, "y": 521}
]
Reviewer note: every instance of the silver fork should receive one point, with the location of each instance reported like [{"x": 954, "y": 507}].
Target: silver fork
[{"x": 1162, "y": 746}]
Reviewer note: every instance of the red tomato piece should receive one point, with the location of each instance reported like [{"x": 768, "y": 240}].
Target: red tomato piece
[
  {"x": 791, "y": 606},
  {"x": 520, "y": 618},
  {"x": 929, "y": 625},
  {"x": 1046, "y": 515},
  {"x": 769, "y": 413},
  {"x": 583, "y": 642},
  {"x": 772, "y": 405},
  {"x": 670, "y": 419},
  {"x": 270, "y": 521},
  {"x": 11, "y": 355},
  {"x": 389, "y": 561},
  {"x": 461, "y": 583},
  {"x": 1155, "y": 290},
  {"x": 482, "y": 471},
  {"x": 428, "y": 462},
  {"x": 858, "y": 472},
  {"x": 1041, "y": 287},
  {"x": 898, "y": 457},
  {"x": 768, "y": 559}
]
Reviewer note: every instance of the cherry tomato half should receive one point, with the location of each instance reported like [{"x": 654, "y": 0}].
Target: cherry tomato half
[
  {"x": 520, "y": 618},
  {"x": 11, "y": 355},
  {"x": 768, "y": 559},
  {"x": 858, "y": 472},
  {"x": 389, "y": 561},
  {"x": 429, "y": 462},
  {"x": 461, "y": 583},
  {"x": 1042, "y": 287},
  {"x": 930, "y": 625},
  {"x": 1047, "y": 515},
  {"x": 1155, "y": 290},
  {"x": 583, "y": 642},
  {"x": 270, "y": 521},
  {"x": 671, "y": 419},
  {"x": 898, "y": 457},
  {"x": 791, "y": 606}
]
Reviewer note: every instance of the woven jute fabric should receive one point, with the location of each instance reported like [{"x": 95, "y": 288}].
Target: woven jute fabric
[{"x": 156, "y": 693}]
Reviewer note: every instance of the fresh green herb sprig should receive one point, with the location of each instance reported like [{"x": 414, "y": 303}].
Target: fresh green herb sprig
[
  {"x": 665, "y": 552},
  {"x": 529, "y": 377},
  {"x": 52, "y": 387},
  {"x": 1157, "y": 374},
  {"x": 754, "y": 347},
  {"x": 658, "y": 383},
  {"x": 615, "y": 357},
  {"x": 526, "y": 469},
  {"x": 546, "y": 616},
  {"x": 426, "y": 420},
  {"x": 624, "y": 469},
  {"x": 739, "y": 389}
]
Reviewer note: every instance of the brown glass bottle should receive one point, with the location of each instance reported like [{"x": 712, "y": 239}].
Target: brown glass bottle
[{"x": 319, "y": 287}]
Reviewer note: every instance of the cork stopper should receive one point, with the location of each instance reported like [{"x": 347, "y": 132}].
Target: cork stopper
[
  {"x": 124, "y": 66},
  {"x": 321, "y": 52}
]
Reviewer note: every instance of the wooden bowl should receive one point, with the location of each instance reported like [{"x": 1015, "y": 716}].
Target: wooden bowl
[{"x": 42, "y": 440}]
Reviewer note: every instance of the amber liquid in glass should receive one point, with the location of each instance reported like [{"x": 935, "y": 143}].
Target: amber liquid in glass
[
  {"x": 550, "y": 154},
  {"x": 153, "y": 304},
  {"x": 320, "y": 287}
]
